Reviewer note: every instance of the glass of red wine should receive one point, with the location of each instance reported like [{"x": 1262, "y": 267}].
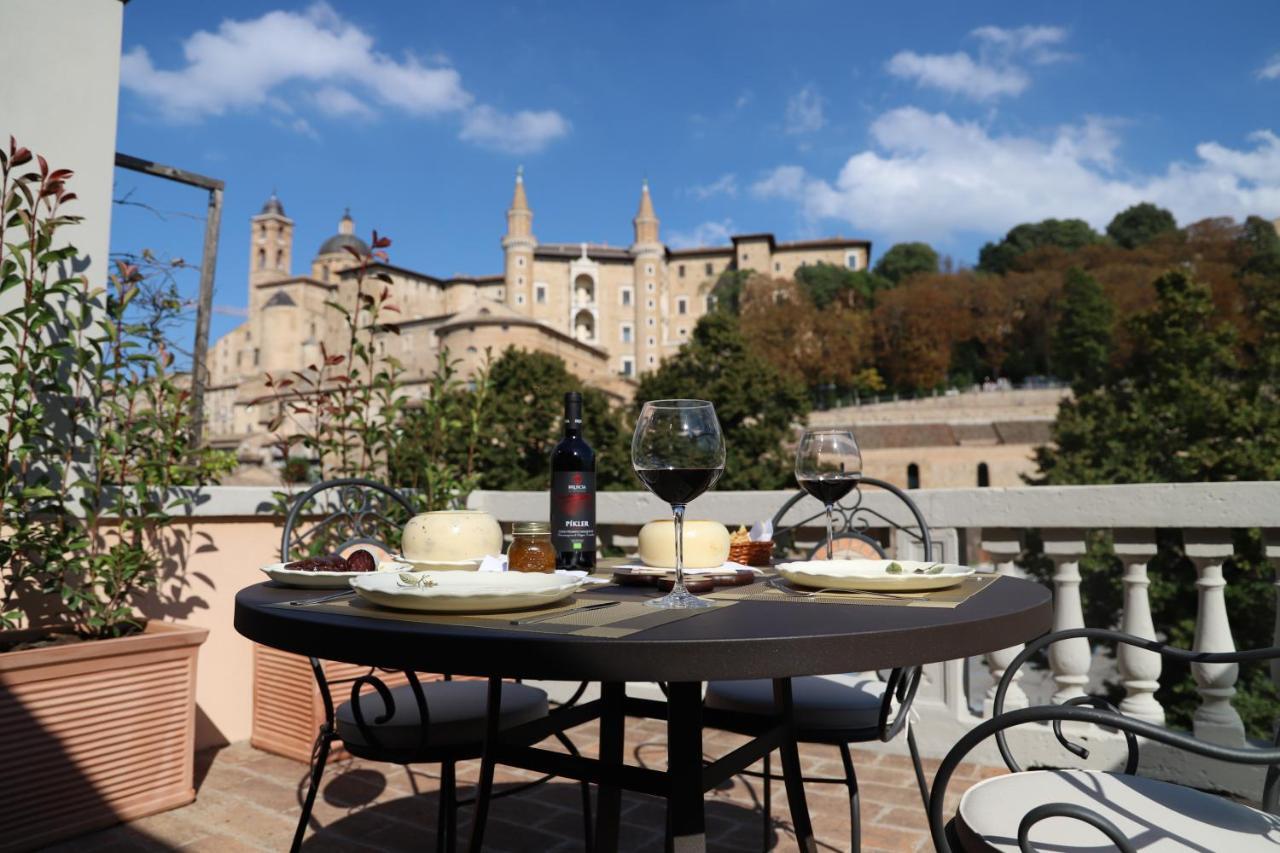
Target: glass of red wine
[
  {"x": 828, "y": 466},
  {"x": 678, "y": 453}
]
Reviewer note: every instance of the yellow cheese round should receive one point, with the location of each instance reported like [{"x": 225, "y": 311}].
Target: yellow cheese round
[{"x": 706, "y": 544}]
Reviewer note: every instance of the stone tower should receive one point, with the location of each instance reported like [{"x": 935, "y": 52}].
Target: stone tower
[
  {"x": 270, "y": 244},
  {"x": 650, "y": 277},
  {"x": 518, "y": 246}
]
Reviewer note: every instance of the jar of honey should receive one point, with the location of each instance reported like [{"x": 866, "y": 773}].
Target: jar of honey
[{"x": 531, "y": 549}]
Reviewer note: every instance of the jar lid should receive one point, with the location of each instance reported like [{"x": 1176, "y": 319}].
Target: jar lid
[{"x": 526, "y": 528}]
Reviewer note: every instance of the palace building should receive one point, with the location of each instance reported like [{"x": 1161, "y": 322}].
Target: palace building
[{"x": 609, "y": 312}]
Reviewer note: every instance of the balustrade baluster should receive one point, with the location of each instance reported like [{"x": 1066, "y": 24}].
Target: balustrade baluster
[
  {"x": 1068, "y": 659},
  {"x": 1215, "y": 719},
  {"x": 998, "y": 662},
  {"x": 1139, "y": 668}
]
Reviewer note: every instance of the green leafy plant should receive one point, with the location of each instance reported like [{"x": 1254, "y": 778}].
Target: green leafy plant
[{"x": 96, "y": 456}]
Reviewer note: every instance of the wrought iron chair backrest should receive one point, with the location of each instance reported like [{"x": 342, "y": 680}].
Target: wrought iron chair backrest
[
  {"x": 854, "y": 519},
  {"x": 352, "y": 511}
]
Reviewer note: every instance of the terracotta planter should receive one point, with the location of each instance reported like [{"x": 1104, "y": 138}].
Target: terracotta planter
[
  {"x": 96, "y": 733},
  {"x": 287, "y": 708}
]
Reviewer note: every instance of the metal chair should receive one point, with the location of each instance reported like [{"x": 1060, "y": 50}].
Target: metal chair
[
  {"x": 842, "y": 709},
  {"x": 1092, "y": 810},
  {"x": 416, "y": 723}
]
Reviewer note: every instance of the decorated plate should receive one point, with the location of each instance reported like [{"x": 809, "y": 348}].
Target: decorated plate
[
  {"x": 464, "y": 592},
  {"x": 895, "y": 575},
  {"x": 319, "y": 580}
]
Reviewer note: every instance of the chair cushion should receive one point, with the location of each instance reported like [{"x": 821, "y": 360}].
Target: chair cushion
[
  {"x": 455, "y": 709},
  {"x": 849, "y": 701},
  {"x": 1158, "y": 817}
]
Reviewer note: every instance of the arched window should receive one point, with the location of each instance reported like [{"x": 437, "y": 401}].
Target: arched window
[
  {"x": 262, "y": 259},
  {"x": 913, "y": 476},
  {"x": 984, "y": 475},
  {"x": 279, "y": 259},
  {"x": 584, "y": 326},
  {"x": 584, "y": 289}
]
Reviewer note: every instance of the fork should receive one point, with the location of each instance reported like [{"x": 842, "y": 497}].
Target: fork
[{"x": 323, "y": 599}]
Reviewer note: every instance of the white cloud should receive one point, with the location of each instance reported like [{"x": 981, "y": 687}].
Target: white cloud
[
  {"x": 1271, "y": 70},
  {"x": 930, "y": 177},
  {"x": 958, "y": 74},
  {"x": 714, "y": 233},
  {"x": 314, "y": 56},
  {"x": 725, "y": 185},
  {"x": 515, "y": 133},
  {"x": 995, "y": 72},
  {"x": 804, "y": 112}
]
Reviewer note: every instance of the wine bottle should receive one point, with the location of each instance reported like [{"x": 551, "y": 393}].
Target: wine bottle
[{"x": 573, "y": 493}]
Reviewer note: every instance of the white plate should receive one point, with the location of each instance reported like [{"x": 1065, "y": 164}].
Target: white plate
[
  {"x": 319, "y": 580},
  {"x": 405, "y": 564},
  {"x": 466, "y": 592},
  {"x": 872, "y": 574}
]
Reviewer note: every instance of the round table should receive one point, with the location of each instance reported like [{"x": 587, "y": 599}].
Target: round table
[{"x": 751, "y": 639}]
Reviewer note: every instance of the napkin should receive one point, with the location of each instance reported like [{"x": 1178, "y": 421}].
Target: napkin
[
  {"x": 493, "y": 564},
  {"x": 761, "y": 531}
]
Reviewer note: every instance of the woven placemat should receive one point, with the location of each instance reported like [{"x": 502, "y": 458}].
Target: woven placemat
[
  {"x": 776, "y": 589},
  {"x": 618, "y": 620}
]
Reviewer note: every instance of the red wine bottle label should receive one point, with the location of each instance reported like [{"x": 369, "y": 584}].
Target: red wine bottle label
[{"x": 573, "y": 511}]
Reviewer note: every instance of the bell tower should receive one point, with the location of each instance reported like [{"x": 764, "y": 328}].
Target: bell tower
[
  {"x": 270, "y": 245},
  {"x": 518, "y": 246},
  {"x": 648, "y": 261}
]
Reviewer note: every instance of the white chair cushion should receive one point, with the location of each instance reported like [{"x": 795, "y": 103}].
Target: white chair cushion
[
  {"x": 1157, "y": 817},
  {"x": 850, "y": 701},
  {"x": 455, "y": 709}
]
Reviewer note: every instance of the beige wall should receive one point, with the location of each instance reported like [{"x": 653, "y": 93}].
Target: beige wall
[
  {"x": 59, "y": 83},
  {"x": 951, "y": 467}
]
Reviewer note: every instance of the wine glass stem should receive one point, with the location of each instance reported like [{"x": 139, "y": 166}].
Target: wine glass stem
[
  {"x": 677, "y": 510},
  {"x": 831, "y": 535}
]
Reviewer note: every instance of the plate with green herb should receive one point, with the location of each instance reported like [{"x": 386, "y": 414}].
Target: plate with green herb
[{"x": 896, "y": 575}]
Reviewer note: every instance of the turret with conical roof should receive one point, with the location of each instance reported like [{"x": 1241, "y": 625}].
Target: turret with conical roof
[
  {"x": 270, "y": 243},
  {"x": 518, "y": 245},
  {"x": 648, "y": 256},
  {"x": 646, "y": 221}
]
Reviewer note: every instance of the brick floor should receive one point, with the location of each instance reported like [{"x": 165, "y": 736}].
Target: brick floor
[{"x": 249, "y": 801}]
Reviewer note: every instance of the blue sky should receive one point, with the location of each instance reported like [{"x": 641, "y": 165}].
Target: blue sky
[{"x": 944, "y": 122}]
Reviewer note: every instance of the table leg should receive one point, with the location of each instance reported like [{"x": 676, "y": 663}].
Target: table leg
[
  {"x": 484, "y": 790},
  {"x": 609, "y": 795},
  {"x": 791, "y": 768},
  {"x": 685, "y": 819}
]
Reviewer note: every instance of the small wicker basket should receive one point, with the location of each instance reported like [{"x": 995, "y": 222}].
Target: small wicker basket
[{"x": 751, "y": 553}]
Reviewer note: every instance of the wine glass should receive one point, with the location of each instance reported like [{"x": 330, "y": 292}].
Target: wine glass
[
  {"x": 678, "y": 453},
  {"x": 828, "y": 466}
]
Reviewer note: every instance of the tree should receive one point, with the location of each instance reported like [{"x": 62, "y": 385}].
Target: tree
[
  {"x": 1082, "y": 341},
  {"x": 905, "y": 260},
  {"x": 827, "y": 283},
  {"x": 1067, "y": 234},
  {"x": 819, "y": 347},
  {"x": 727, "y": 291},
  {"x": 1140, "y": 224},
  {"x": 759, "y": 408}
]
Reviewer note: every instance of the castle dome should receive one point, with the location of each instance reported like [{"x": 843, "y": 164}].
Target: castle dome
[{"x": 344, "y": 238}]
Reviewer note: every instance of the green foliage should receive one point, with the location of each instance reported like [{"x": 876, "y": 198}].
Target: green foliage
[
  {"x": 1140, "y": 224},
  {"x": 1068, "y": 234},
  {"x": 96, "y": 453},
  {"x": 1184, "y": 408},
  {"x": 726, "y": 293},
  {"x": 1082, "y": 340},
  {"x": 826, "y": 284},
  {"x": 905, "y": 260},
  {"x": 758, "y": 408}
]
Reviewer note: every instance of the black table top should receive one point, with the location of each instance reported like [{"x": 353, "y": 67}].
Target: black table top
[{"x": 751, "y": 639}]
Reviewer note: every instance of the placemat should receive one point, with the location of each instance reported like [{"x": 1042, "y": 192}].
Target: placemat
[
  {"x": 767, "y": 591},
  {"x": 619, "y": 620}
]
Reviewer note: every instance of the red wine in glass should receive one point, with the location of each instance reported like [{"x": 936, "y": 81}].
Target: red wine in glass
[
  {"x": 829, "y": 488},
  {"x": 678, "y": 485}
]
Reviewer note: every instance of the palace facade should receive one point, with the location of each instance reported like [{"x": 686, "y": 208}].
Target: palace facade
[{"x": 609, "y": 312}]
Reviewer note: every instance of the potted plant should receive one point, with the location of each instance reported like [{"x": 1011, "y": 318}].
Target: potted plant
[{"x": 95, "y": 458}]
